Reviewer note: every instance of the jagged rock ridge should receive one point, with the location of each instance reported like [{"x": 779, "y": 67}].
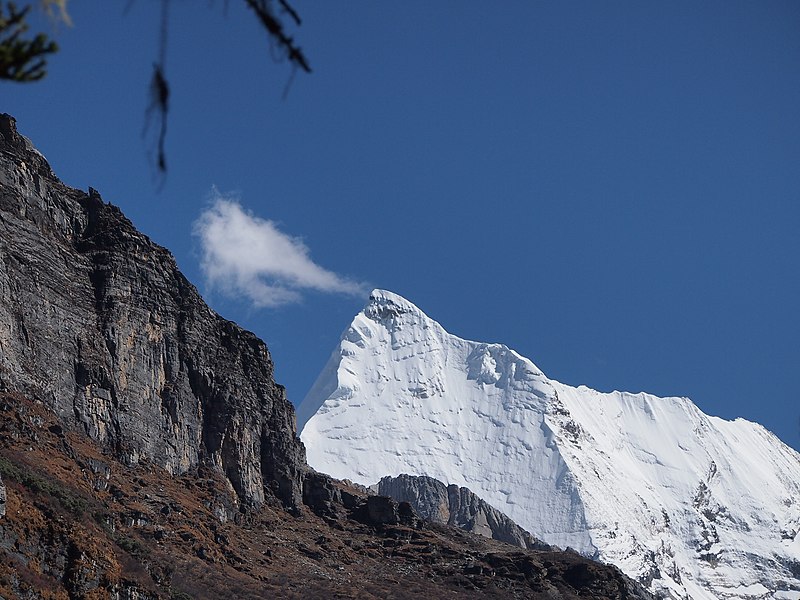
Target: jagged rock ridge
[{"x": 457, "y": 506}]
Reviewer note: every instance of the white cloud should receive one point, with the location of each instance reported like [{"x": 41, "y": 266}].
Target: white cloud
[{"x": 245, "y": 255}]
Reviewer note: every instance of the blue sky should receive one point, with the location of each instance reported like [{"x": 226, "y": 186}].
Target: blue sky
[{"x": 610, "y": 188}]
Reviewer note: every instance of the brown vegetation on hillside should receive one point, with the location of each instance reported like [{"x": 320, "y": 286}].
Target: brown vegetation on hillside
[{"x": 81, "y": 525}]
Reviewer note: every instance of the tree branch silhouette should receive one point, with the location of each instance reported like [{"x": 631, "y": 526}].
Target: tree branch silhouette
[
  {"x": 25, "y": 59},
  {"x": 21, "y": 60}
]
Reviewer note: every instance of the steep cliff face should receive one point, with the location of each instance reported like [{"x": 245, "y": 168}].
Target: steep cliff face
[
  {"x": 101, "y": 327},
  {"x": 457, "y": 506}
]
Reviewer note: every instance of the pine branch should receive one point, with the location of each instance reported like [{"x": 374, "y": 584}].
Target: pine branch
[{"x": 21, "y": 60}]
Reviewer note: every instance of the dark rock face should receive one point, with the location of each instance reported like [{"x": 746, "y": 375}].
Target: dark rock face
[
  {"x": 100, "y": 326},
  {"x": 382, "y": 510},
  {"x": 457, "y": 506}
]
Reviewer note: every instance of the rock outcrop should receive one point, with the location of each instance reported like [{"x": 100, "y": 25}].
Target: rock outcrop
[
  {"x": 100, "y": 326},
  {"x": 452, "y": 505},
  {"x": 2, "y": 498}
]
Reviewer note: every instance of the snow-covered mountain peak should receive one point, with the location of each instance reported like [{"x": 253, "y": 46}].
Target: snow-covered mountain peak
[
  {"x": 692, "y": 505},
  {"x": 492, "y": 364},
  {"x": 384, "y": 305}
]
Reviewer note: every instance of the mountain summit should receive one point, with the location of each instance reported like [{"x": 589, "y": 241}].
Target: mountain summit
[{"x": 691, "y": 505}]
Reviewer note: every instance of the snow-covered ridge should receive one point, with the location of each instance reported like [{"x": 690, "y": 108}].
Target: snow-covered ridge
[{"x": 693, "y": 505}]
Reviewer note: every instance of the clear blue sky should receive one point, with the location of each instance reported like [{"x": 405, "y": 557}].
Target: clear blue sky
[{"x": 610, "y": 188}]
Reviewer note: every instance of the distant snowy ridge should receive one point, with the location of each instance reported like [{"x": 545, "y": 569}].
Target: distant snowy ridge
[{"x": 691, "y": 505}]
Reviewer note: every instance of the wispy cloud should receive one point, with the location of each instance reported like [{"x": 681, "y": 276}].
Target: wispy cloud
[{"x": 245, "y": 255}]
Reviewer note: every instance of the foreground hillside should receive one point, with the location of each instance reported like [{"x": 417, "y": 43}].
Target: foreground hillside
[
  {"x": 79, "y": 524},
  {"x": 147, "y": 452}
]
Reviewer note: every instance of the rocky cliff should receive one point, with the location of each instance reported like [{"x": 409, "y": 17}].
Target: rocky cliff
[
  {"x": 456, "y": 506},
  {"x": 100, "y": 326}
]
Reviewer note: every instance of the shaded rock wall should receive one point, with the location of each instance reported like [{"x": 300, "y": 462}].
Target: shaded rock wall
[{"x": 100, "y": 326}]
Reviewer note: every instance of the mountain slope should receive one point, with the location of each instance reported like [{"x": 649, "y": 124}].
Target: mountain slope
[
  {"x": 691, "y": 505},
  {"x": 80, "y": 524},
  {"x": 146, "y": 452}
]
